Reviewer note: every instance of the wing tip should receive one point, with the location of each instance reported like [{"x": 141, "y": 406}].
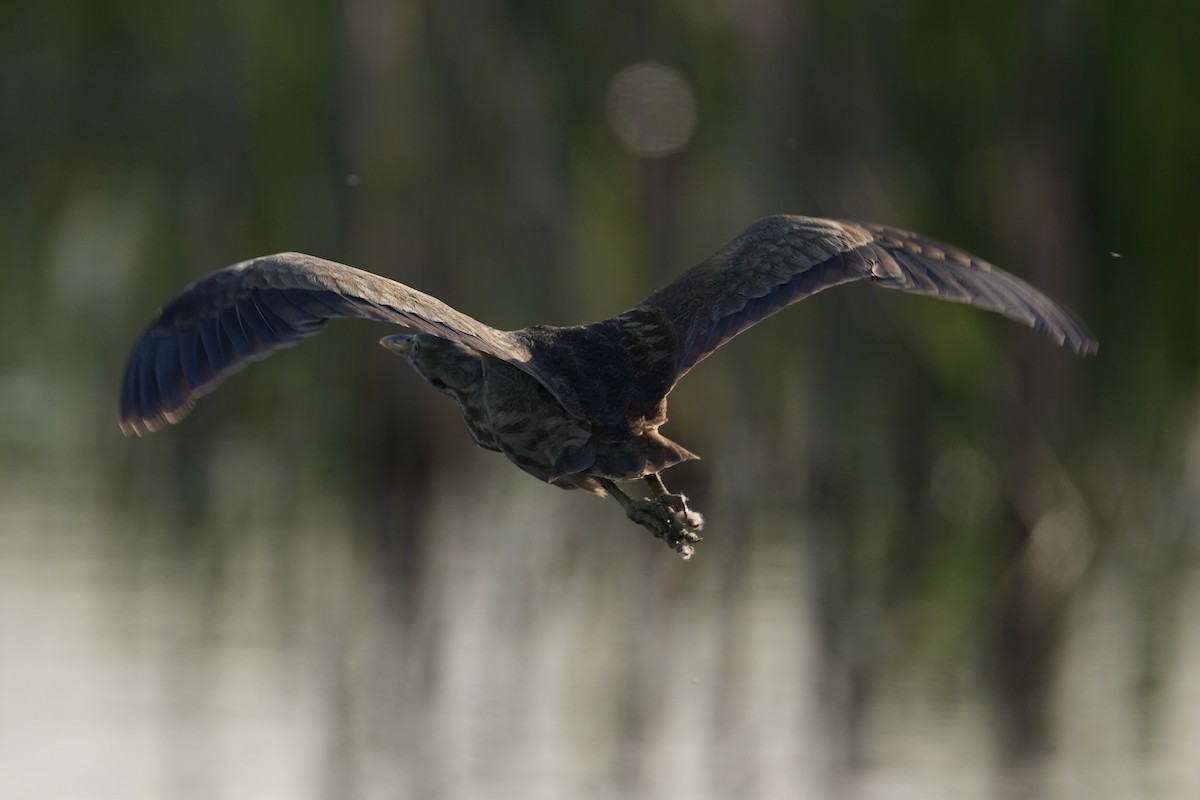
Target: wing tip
[
  {"x": 1083, "y": 346},
  {"x": 1068, "y": 331},
  {"x": 139, "y": 422}
]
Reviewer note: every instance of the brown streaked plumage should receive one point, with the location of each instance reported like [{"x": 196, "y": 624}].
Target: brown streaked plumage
[{"x": 575, "y": 406}]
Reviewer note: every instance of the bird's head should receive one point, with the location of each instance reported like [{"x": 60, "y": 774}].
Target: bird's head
[{"x": 448, "y": 366}]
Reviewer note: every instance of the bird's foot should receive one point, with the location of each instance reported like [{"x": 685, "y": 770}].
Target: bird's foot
[
  {"x": 668, "y": 517},
  {"x": 665, "y": 515}
]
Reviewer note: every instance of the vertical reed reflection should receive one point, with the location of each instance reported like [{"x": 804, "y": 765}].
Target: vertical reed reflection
[{"x": 944, "y": 559}]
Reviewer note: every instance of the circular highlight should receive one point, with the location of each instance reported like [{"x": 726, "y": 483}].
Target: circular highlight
[
  {"x": 651, "y": 109},
  {"x": 964, "y": 485}
]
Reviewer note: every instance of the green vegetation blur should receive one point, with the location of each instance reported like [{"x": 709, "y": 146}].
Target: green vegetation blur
[{"x": 950, "y": 489}]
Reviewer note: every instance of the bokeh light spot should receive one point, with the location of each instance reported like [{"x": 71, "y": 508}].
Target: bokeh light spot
[
  {"x": 964, "y": 485},
  {"x": 651, "y": 109}
]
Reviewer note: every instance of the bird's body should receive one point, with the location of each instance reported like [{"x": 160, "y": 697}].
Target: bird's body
[
  {"x": 575, "y": 406},
  {"x": 508, "y": 410}
]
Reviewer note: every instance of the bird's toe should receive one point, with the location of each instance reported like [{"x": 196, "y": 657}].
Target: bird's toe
[
  {"x": 690, "y": 521},
  {"x": 669, "y": 518}
]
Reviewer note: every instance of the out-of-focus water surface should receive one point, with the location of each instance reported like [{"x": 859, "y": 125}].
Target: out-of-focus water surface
[{"x": 943, "y": 557}]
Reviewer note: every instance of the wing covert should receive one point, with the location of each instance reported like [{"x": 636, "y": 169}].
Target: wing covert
[
  {"x": 780, "y": 260},
  {"x": 237, "y": 315}
]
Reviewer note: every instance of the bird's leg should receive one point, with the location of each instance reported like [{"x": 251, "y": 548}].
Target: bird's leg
[{"x": 666, "y": 515}]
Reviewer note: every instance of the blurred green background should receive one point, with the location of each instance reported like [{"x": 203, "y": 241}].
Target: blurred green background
[{"x": 944, "y": 557}]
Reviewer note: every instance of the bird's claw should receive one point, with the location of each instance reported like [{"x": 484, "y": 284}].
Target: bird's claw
[{"x": 668, "y": 517}]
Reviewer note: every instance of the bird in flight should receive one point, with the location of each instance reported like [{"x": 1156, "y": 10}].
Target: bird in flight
[{"x": 578, "y": 407}]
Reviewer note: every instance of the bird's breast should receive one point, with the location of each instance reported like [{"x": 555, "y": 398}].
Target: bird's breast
[
  {"x": 528, "y": 424},
  {"x": 533, "y": 429}
]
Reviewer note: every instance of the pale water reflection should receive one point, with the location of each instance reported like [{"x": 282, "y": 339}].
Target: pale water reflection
[{"x": 263, "y": 663}]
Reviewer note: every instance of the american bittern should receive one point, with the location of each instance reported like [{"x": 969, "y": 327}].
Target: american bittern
[{"x": 578, "y": 407}]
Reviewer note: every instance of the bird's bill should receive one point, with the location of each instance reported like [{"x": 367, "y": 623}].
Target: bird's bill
[{"x": 399, "y": 343}]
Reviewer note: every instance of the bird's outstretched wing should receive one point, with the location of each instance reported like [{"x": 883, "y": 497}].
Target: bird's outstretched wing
[
  {"x": 237, "y": 315},
  {"x": 779, "y": 260}
]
